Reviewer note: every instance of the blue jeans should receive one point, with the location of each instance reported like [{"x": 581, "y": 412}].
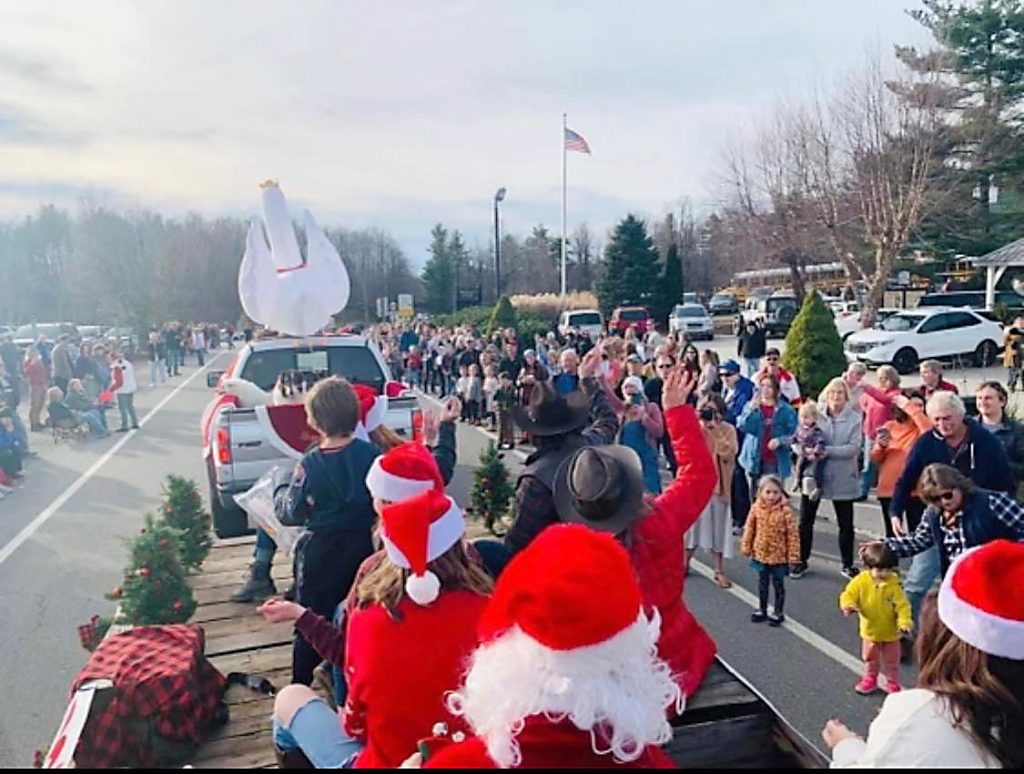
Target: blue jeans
[
  {"x": 97, "y": 428},
  {"x": 924, "y": 569},
  {"x": 265, "y": 548},
  {"x": 316, "y": 730},
  {"x": 870, "y": 470},
  {"x": 750, "y": 365},
  {"x": 19, "y": 429}
]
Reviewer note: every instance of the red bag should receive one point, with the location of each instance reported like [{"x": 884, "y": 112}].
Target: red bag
[{"x": 106, "y": 397}]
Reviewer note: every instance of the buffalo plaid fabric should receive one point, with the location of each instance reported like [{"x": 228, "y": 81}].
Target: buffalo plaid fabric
[{"x": 162, "y": 683}]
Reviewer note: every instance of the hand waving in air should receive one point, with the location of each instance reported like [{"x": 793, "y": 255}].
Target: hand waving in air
[{"x": 677, "y": 388}]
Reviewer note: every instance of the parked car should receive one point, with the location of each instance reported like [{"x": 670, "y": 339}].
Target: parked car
[
  {"x": 125, "y": 339},
  {"x": 28, "y": 334},
  {"x": 693, "y": 320},
  {"x": 905, "y": 338},
  {"x": 91, "y": 332},
  {"x": 723, "y": 303},
  {"x": 589, "y": 320},
  {"x": 625, "y": 316},
  {"x": 974, "y": 299},
  {"x": 240, "y": 444},
  {"x": 774, "y": 313}
]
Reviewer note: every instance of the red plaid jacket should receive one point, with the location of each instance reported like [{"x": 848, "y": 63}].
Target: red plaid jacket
[{"x": 162, "y": 681}]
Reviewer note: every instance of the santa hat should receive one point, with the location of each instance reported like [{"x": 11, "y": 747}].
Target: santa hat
[
  {"x": 417, "y": 531},
  {"x": 372, "y": 408},
  {"x": 980, "y": 600},
  {"x": 572, "y": 587},
  {"x": 405, "y": 471}
]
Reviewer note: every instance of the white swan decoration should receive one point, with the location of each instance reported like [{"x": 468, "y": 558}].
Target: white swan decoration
[{"x": 276, "y": 287}]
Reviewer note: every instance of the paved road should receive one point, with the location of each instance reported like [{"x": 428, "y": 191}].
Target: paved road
[
  {"x": 62, "y": 547},
  {"x": 55, "y": 579}
]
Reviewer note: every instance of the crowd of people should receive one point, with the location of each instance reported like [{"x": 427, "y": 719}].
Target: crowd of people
[
  {"x": 395, "y": 600},
  {"x": 67, "y": 386}
]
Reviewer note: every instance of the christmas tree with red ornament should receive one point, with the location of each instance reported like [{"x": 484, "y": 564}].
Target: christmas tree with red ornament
[
  {"x": 155, "y": 588},
  {"x": 492, "y": 488},
  {"x": 183, "y": 510}
]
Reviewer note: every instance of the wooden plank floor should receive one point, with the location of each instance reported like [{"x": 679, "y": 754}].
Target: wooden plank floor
[{"x": 239, "y": 640}]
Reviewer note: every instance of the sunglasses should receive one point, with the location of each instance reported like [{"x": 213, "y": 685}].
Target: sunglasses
[
  {"x": 772, "y": 359},
  {"x": 945, "y": 496},
  {"x": 664, "y": 365}
]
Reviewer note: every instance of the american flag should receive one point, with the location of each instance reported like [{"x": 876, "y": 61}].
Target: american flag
[{"x": 575, "y": 142}]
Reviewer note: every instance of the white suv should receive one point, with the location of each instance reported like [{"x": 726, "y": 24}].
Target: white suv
[
  {"x": 907, "y": 337},
  {"x": 582, "y": 320},
  {"x": 693, "y": 320}
]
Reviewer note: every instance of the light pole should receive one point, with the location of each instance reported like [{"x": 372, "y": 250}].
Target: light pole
[{"x": 499, "y": 196}]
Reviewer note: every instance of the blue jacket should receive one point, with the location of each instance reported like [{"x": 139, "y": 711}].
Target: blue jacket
[
  {"x": 328, "y": 490},
  {"x": 751, "y": 422},
  {"x": 981, "y": 458},
  {"x": 738, "y": 399}
]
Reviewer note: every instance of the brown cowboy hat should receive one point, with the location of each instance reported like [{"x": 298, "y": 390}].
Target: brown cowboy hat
[
  {"x": 549, "y": 413},
  {"x": 600, "y": 486}
]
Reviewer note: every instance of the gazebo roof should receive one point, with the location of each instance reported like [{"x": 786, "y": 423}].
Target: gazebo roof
[{"x": 1007, "y": 255}]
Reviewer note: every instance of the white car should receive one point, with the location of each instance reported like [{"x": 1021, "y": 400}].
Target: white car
[
  {"x": 905, "y": 338},
  {"x": 693, "y": 320},
  {"x": 589, "y": 320}
]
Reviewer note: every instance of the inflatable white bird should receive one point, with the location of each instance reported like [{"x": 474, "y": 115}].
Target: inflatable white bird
[{"x": 276, "y": 286}]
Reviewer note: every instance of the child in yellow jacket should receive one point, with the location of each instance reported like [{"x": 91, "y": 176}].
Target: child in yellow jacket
[
  {"x": 772, "y": 541},
  {"x": 884, "y": 611}
]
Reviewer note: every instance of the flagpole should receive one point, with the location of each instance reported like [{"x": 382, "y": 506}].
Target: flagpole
[{"x": 562, "y": 285}]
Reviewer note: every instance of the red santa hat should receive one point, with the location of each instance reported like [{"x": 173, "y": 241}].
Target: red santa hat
[
  {"x": 980, "y": 599},
  {"x": 372, "y": 408},
  {"x": 572, "y": 587},
  {"x": 417, "y": 531},
  {"x": 405, "y": 471}
]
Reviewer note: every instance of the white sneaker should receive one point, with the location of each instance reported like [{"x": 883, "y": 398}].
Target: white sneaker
[{"x": 5, "y": 490}]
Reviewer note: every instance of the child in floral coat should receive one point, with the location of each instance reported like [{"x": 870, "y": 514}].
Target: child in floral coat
[{"x": 772, "y": 541}]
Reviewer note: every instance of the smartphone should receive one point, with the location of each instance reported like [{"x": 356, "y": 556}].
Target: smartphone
[{"x": 636, "y": 399}]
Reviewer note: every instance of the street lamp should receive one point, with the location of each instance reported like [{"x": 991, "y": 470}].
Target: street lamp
[{"x": 499, "y": 196}]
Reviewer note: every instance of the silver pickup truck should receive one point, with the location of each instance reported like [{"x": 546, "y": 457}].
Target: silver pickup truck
[{"x": 241, "y": 444}]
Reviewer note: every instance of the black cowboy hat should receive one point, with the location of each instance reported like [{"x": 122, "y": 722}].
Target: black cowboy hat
[
  {"x": 600, "y": 486},
  {"x": 549, "y": 413}
]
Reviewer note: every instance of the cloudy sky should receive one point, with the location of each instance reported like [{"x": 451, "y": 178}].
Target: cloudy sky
[{"x": 402, "y": 113}]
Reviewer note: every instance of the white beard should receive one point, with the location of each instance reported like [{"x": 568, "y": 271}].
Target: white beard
[{"x": 620, "y": 685}]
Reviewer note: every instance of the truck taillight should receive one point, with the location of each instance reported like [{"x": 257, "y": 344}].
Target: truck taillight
[
  {"x": 222, "y": 445},
  {"x": 417, "y": 425}
]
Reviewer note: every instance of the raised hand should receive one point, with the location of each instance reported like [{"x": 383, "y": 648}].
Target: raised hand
[
  {"x": 590, "y": 363},
  {"x": 677, "y": 388},
  {"x": 452, "y": 409}
]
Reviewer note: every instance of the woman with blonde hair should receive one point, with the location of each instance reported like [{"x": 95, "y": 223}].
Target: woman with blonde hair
[
  {"x": 841, "y": 476},
  {"x": 410, "y": 626}
]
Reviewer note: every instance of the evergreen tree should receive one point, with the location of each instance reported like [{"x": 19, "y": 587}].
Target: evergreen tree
[
  {"x": 980, "y": 59},
  {"x": 439, "y": 273},
  {"x": 670, "y": 289},
  {"x": 458, "y": 257},
  {"x": 492, "y": 488},
  {"x": 183, "y": 510},
  {"x": 503, "y": 316},
  {"x": 155, "y": 588},
  {"x": 814, "y": 352},
  {"x": 629, "y": 272}
]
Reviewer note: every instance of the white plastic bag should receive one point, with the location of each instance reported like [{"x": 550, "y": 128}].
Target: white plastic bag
[{"x": 258, "y": 502}]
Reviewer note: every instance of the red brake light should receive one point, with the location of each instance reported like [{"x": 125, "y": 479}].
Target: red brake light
[
  {"x": 417, "y": 425},
  {"x": 222, "y": 444}
]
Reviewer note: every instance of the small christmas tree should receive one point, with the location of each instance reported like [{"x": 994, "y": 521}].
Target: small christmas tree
[
  {"x": 492, "y": 489},
  {"x": 155, "y": 589},
  {"x": 814, "y": 352},
  {"x": 183, "y": 510}
]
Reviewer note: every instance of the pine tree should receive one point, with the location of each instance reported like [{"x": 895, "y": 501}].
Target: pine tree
[
  {"x": 980, "y": 59},
  {"x": 814, "y": 352},
  {"x": 439, "y": 273},
  {"x": 503, "y": 316},
  {"x": 183, "y": 510},
  {"x": 155, "y": 588},
  {"x": 629, "y": 272},
  {"x": 670, "y": 289},
  {"x": 492, "y": 488}
]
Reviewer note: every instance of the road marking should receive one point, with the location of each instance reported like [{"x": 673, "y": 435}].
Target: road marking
[
  {"x": 796, "y": 628},
  {"x": 82, "y": 480}
]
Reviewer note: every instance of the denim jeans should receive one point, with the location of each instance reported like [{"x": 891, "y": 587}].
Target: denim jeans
[
  {"x": 92, "y": 419},
  {"x": 316, "y": 730},
  {"x": 200, "y": 355},
  {"x": 924, "y": 569},
  {"x": 265, "y": 548},
  {"x": 870, "y": 471},
  {"x": 156, "y": 372},
  {"x": 750, "y": 365},
  {"x": 126, "y": 404}
]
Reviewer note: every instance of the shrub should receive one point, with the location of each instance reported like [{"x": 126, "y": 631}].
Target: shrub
[
  {"x": 504, "y": 316},
  {"x": 814, "y": 352},
  {"x": 550, "y": 305}
]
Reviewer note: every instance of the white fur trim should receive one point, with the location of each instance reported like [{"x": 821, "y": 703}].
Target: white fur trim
[
  {"x": 360, "y": 432},
  {"x": 387, "y": 486},
  {"x": 263, "y": 417},
  {"x": 375, "y": 416},
  {"x": 423, "y": 589},
  {"x": 444, "y": 533},
  {"x": 989, "y": 633}
]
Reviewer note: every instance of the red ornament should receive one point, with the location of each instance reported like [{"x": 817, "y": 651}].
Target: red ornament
[
  {"x": 164, "y": 543},
  {"x": 117, "y": 593},
  {"x": 177, "y": 607},
  {"x": 144, "y": 572}
]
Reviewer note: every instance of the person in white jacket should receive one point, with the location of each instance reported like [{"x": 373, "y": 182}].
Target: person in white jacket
[{"x": 967, "y": 710}]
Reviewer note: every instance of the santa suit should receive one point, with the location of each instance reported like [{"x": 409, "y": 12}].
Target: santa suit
[
  {"x": 657, "y": 549},
  {"x": 544, "y": 744}
]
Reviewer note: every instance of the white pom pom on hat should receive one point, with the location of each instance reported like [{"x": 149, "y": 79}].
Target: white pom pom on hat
[{"x": 417, "y": 531}]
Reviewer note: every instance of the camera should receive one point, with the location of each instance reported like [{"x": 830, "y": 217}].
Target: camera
[{"x": 707, "y": 414}]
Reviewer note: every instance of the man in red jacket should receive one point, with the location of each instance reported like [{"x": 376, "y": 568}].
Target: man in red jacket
[{"x": 565, "y": 677}]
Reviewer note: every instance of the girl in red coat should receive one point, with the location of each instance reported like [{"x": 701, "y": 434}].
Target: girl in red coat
[
  {"x": 603, "y": 487},
  {"x": 411, "y": 625}
]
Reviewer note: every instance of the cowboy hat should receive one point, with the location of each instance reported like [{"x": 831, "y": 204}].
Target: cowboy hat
[
  {"x": 549, "y": 413},
  {"x": 600, "y": 486}
]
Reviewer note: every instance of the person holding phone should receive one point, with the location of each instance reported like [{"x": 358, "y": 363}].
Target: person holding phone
[
  {"x": 893, "y": 442},
  {"x": 642, "y": 429}
]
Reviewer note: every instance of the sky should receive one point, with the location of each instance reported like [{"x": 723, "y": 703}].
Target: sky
[{"x": 399, "y": 114}]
